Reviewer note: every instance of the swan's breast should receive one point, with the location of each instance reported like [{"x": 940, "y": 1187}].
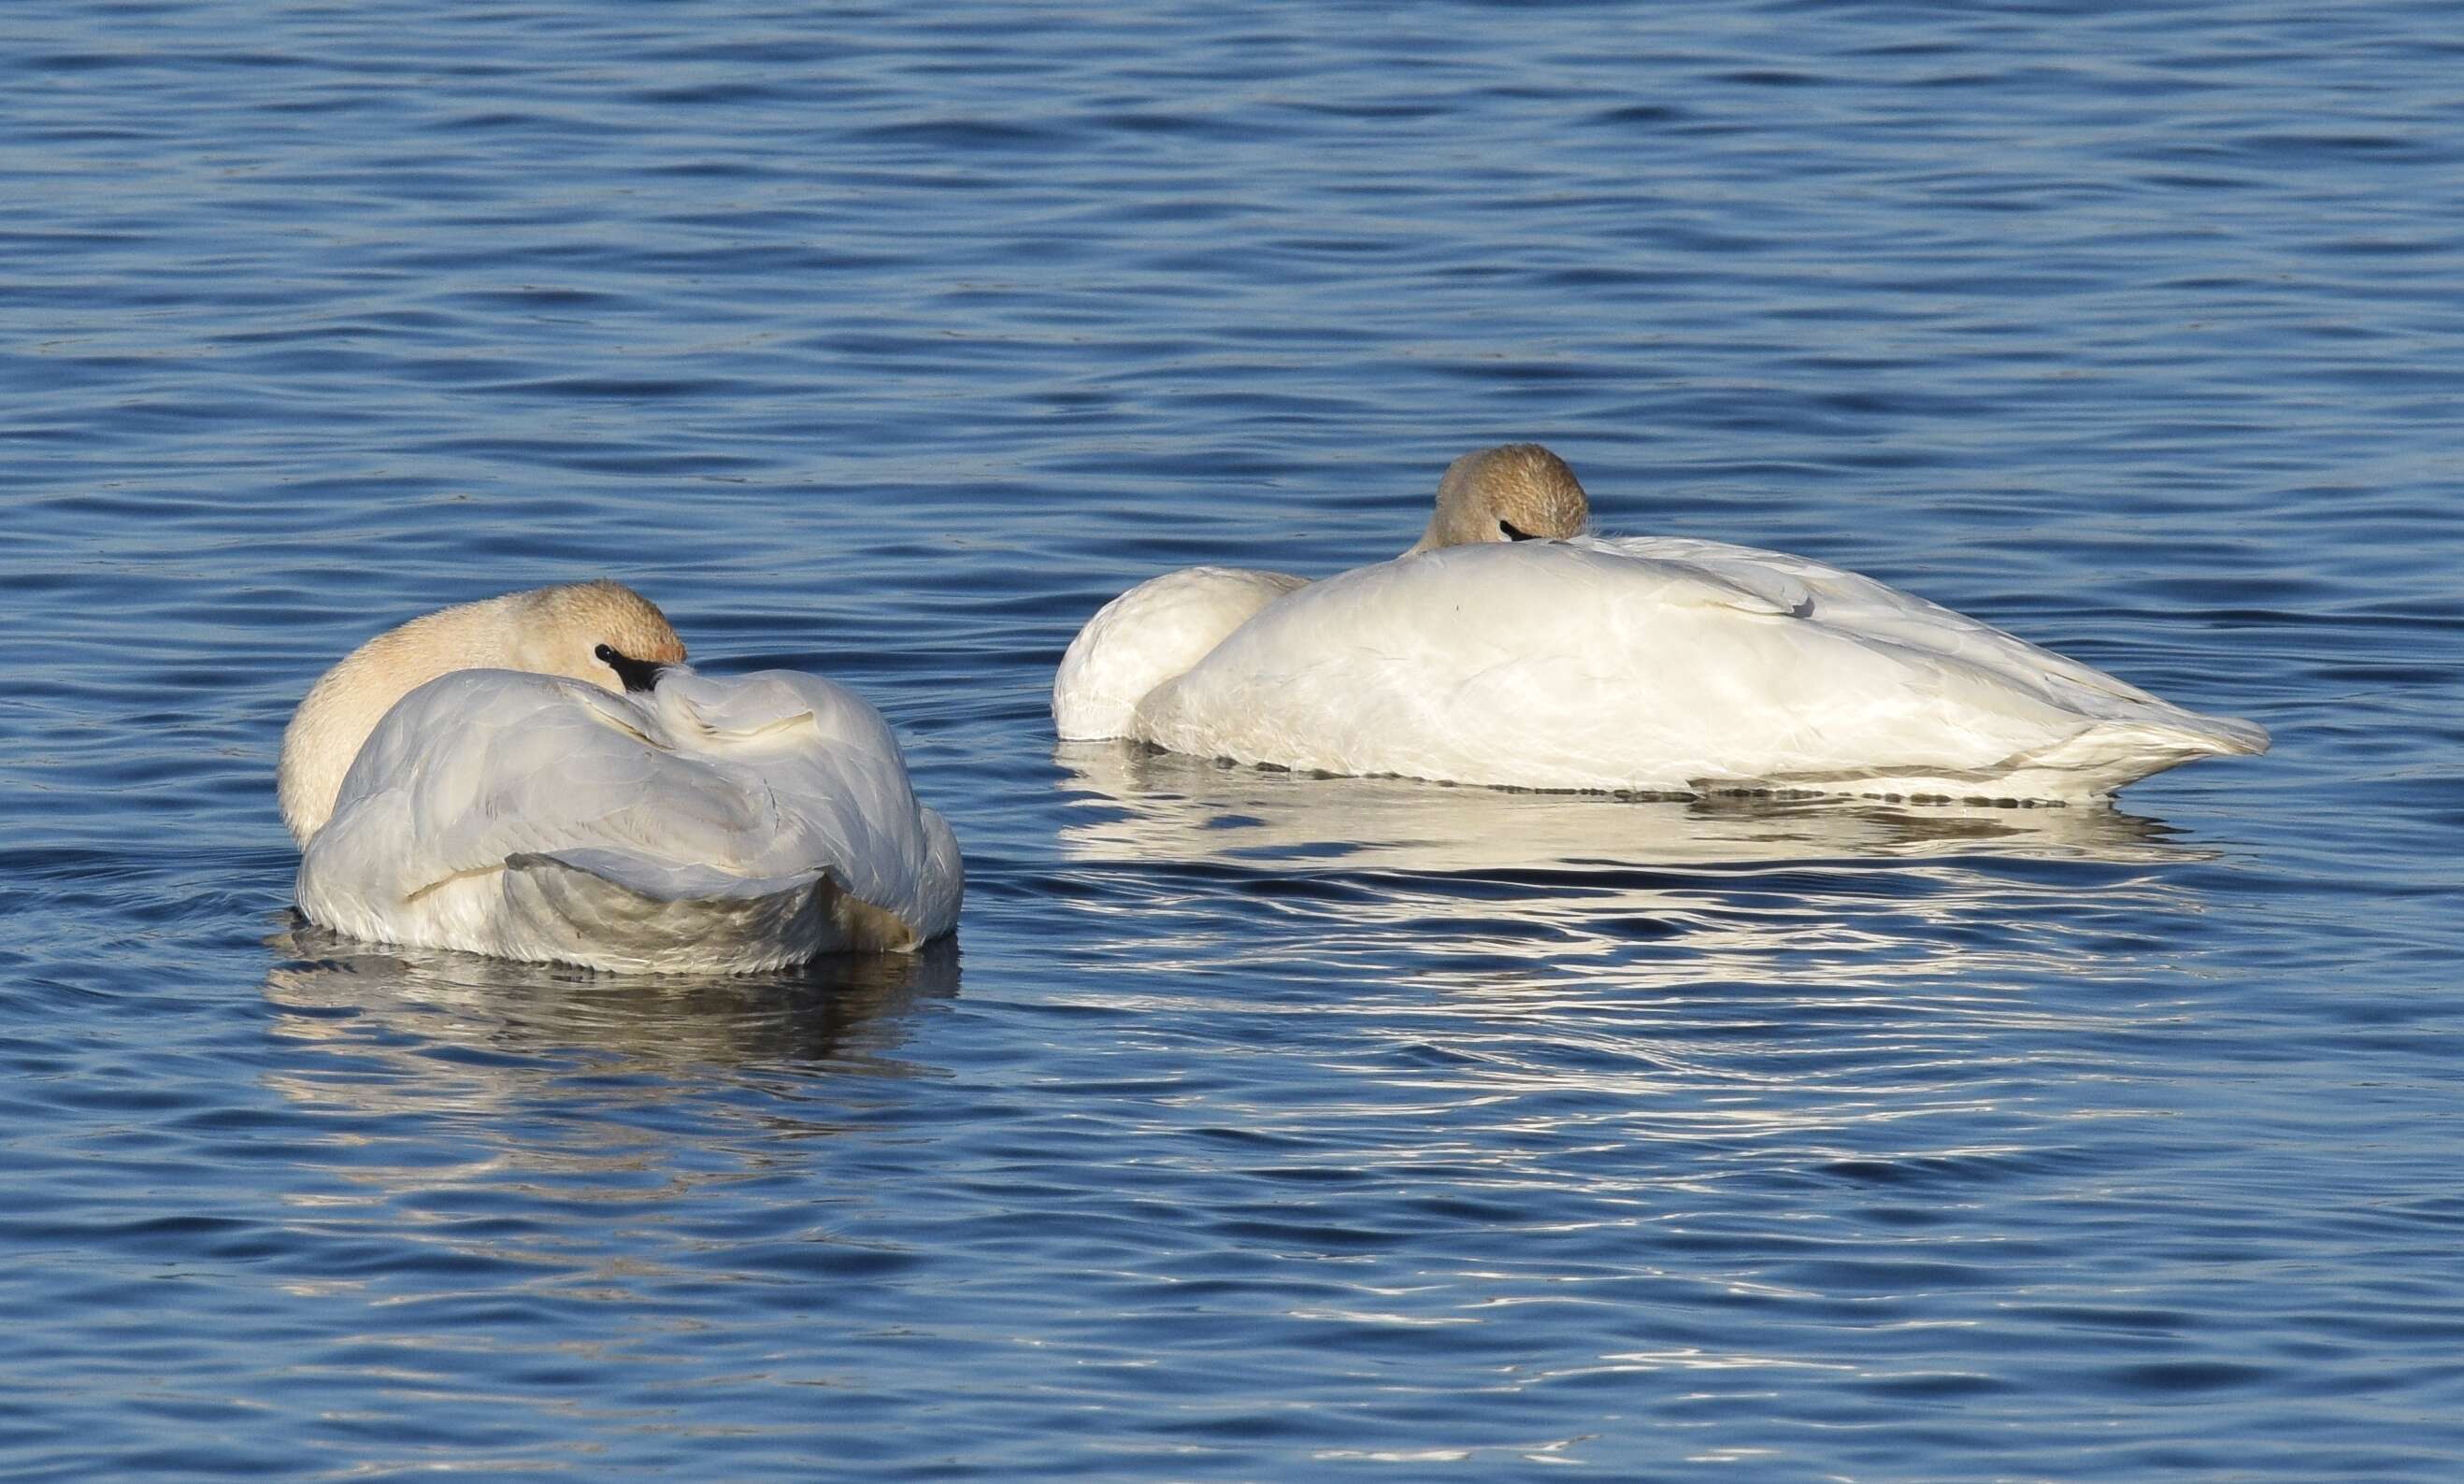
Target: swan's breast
[{"x": 1147, "y": 635}]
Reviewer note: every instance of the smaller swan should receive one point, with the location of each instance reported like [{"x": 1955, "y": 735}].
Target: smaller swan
[
  {"x": 539, "y": 776},
  {"x": 1508, "y": 649}
]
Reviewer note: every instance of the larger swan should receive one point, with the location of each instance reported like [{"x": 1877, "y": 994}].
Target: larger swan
[
  {"x": 539, "y": 777},
  {"x": 1508, "y": 649}
]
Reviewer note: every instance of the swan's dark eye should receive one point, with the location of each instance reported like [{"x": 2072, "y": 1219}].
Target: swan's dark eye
[
  {"x": 636, "y": 674},
  {"x": 1512, "y": 533}
]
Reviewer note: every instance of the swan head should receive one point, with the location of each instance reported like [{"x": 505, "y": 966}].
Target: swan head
[
  {"x": 1517, "y": 492},
  {"x": 601, "y": 632}
]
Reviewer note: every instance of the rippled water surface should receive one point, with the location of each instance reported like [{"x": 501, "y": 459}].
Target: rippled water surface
[{"x": 1253, "y": 1126}]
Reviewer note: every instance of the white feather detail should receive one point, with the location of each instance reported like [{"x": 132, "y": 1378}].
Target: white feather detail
[
  {"x": 1650, "y": 665},
  {"x": 711, "y": 824}
]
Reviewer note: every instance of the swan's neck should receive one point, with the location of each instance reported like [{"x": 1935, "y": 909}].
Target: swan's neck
[
  {"x": 1443, "y": 531},
  {"x": 348, "y": 701},
  {"x": 1460, "y": 519}
]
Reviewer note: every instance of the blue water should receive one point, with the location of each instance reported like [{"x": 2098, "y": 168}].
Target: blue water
[{"x": 1254, "y": 1127}]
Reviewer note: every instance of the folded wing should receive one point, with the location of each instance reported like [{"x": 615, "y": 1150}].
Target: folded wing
[{"x": 717, "y": 823}]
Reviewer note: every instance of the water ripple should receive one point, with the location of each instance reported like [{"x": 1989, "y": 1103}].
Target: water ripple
[{"x": 1255, "y": 1126}]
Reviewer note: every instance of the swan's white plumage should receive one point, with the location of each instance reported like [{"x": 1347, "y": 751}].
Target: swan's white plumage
[
  {"x": 1148, "y": 635},
  {"x": 1650, "y": 665},
  {"x": 479, "y": 778},
  {"x": 710, "y": 824}
]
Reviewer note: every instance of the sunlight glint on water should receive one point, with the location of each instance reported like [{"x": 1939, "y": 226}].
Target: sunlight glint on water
[{"x": 1255, "y": 1126}]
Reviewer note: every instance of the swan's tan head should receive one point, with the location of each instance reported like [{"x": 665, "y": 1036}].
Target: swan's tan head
[
  {"x": 1517, "y": 492},
  {"x": 561, "y": 630},
  {"x": 602, "y": 632}
]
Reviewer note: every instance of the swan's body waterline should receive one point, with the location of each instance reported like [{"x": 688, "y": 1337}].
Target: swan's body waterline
[
  {"x": 692, "y": 824},
  {"x": 1650, "y": 665}
]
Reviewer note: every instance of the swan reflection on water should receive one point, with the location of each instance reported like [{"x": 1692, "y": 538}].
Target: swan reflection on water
[
  {"x": 390, "y": 1002},
  {"x": 1154, "y": 804},
  {"x": 1495, "y": 885},
  {"x": 588, "y": 1131}
]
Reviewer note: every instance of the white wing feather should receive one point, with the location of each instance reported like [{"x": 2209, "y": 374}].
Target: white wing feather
[
  {"x": 1661, "y": 665},
  {"x": 718, "y": 823}
]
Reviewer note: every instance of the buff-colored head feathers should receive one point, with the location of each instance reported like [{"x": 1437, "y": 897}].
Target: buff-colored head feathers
[
  {"x": 547, "y": 630},
  {"x": 560, "y": 630},
  {"x": 1516, "y": 491}
]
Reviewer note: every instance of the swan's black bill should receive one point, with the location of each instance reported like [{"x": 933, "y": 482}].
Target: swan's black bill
[
  {"x": 1515, "y": 533},
  {"x": 638, "y": 675}
]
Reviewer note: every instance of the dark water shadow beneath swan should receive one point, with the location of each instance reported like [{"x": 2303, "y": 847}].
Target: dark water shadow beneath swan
[
  {"x": 850, "y": 1011},
  {"x": 448, "y": 1108}
]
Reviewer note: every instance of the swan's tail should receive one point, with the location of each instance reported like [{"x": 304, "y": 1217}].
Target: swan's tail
[
  {"x": 2089, "y": 764},
  {"x": 2110, "y": 754},
  {"x": 2234, "y": 736}
]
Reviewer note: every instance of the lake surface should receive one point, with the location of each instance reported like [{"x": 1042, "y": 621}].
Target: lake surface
[{"x": 1253, "y": 1126}]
